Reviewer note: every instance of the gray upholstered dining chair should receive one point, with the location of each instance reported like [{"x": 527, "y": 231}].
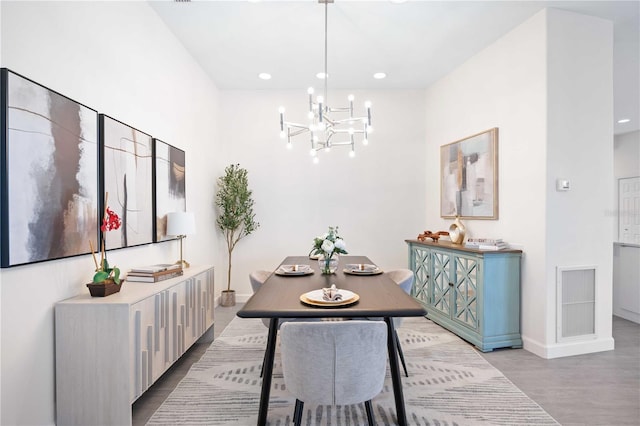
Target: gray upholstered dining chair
[
  {"x": 334, "y": 362},
  {"x": 257, "y": 278},
  {"x": 404, "y": 278}
]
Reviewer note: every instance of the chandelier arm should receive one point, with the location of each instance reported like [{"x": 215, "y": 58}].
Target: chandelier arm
[
  {"x": 326, "y": 76},
  {"x": 296, "y": 125}
]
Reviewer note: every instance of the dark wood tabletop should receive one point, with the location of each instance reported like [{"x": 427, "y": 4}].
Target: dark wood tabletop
[{"x": 279, "y": 296}]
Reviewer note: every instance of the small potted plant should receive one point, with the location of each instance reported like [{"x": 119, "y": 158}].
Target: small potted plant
[
  {"x": 106, "y": 279},
  {"x": 235, "y": 219}
]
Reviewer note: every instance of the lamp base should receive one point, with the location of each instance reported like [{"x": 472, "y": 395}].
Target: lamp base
[{"x": 183, "y": 264}]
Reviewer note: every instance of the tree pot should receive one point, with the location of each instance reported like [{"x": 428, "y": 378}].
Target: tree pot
[
  {"x": 228, "y": 298},
  {"x": 104, "y": 288}
]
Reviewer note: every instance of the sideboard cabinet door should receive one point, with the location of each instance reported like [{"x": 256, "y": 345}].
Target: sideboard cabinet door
[{"x": 475, "y": 294}]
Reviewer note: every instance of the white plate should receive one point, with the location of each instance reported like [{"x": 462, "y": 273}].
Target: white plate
[
  {"x": 361, "y": 267},
  {"x": 294, "y": 270},
  {"x": 316, "y": 296}
]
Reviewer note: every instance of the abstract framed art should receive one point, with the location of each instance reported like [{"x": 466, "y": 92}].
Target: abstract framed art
[
  {"x": 49, "y": 173},
  {"x": 126, "y": 166},
  {"x": 169, "y": 185},
  {"x": 469, "y": 177}
]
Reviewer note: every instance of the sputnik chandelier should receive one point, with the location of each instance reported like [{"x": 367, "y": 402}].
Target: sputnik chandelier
[{"x": 325, "y": 128}]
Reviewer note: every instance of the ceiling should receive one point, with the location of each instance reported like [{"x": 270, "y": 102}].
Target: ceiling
[{"x": 415, "y": 43}]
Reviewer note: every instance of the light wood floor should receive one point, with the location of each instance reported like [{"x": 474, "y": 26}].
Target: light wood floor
[{"x": 593, "y": 389}]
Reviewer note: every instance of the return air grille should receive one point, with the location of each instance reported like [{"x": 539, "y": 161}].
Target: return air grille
[{"x": 576, "y": 303}]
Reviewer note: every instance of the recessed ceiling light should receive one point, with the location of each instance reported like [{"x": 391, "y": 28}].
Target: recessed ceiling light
[
  {"x": 379, "y": 75},
  {"x": 623, "y": 120},
  {"x": 320, "y": 75},
  {"x": 264, "y": 76}
]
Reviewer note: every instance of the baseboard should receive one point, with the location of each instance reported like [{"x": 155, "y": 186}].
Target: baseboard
[
  {"x": 628, "y": 315},
  {"x": 559, "y": 350},
  {"x": 240, "y": 298}
]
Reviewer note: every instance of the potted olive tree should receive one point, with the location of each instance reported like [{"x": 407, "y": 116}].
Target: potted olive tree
[{"x": 235, "y": 219}]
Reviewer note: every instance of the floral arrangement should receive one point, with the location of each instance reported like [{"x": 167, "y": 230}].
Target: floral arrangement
[
  {"x": 327, "y": 245},
  {"x": 110, "y": 221}
]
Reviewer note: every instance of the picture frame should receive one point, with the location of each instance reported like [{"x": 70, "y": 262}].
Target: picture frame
[
  {"x": 469, "y": 177},
  {"x": 126, "y": 171},
  {"x": 169, "y": 175},
  {"x": 48, "y": 173}
]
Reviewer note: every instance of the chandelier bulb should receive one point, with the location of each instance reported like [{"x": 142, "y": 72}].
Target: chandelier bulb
[
  {"x": 365, "y": 141},
  {"x": 312, "y": 152},
  {"x": 320, "y": 99},
  {"x": 310, "y": 90},
  {"x": 350, "y": 98},
  {"x": 369, "y": 129},
  {"x": 289, "y": 145},
  {"x": 281, "y": 110},
  {"x": 310, "y": 115},
  {"x": 315, "y": 160},
  {"x": 283, "y": 135},
  {"x": 351, "y": 130},
  {"x": 367, "y": 104},
  {"x": 352, "y": 153},
  {"x": 327, "y": 149}
]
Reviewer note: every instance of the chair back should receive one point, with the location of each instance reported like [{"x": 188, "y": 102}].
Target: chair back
[
  {"x": 402, "y": 277},
  {"x": 333, "y": 362},
  {"x": 257, "y": 278}
]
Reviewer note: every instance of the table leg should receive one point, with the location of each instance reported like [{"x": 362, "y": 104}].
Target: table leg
[
  {"x": 395, "y": 371},
  {"x": 269, "y": 357}
]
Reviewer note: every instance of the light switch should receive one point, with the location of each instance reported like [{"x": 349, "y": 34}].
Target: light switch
[{"x": 562, "y": 185}]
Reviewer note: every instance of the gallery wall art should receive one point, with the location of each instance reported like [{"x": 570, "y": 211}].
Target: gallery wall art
[
  {"x": 169, "y": 181},
  {"x": 127, "y": 163},
  {"x": 469, "y": 177},
  {"x": 49, "y": 173}
]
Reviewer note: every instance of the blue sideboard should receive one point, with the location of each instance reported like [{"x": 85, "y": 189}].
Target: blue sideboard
[{"x": 473, "y": 293}]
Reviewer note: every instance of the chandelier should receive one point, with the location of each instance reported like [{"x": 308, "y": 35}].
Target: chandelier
[{"x": 328, "y": 126}]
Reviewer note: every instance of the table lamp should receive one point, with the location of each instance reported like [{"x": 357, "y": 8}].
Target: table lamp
[{"x": 181, "y": 224}]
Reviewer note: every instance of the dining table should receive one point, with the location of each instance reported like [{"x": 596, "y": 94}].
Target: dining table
[{"x": 378, "y": 297}]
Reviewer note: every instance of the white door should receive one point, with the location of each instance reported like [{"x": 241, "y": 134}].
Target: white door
[{"x": 629, "y": 210}]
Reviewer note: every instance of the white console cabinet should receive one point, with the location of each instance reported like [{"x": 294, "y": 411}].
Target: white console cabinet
[{"x": 109, "y": 350}]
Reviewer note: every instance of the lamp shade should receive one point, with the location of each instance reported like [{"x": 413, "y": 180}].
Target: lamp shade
[{"x": 181, "y": 223}]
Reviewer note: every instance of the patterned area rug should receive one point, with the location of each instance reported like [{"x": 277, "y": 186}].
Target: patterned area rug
[{"x": 449, "y": 384}]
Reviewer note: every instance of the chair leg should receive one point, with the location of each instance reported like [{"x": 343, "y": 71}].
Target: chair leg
[
  {"x": 369, "y": 409},
  {"x": 401, "y": 355},
  {"x": 297, "y": 412},
  {"x": 264, "y": 358}
]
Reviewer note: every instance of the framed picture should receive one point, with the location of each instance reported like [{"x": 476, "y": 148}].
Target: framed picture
[
  {"x": 469, "y": 177},
  {"x": 48, "y": 173},
  {"x": 169, "y": 181},
  {"x": 126, "y": 172}
]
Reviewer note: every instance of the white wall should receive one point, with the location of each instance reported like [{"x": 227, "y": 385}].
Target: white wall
[
  {"x": 512, "y": 85},
  {"x": 377, "y": 198},
  {"x": 579, "y": 144},
  {"x": 118, "y": 58}
]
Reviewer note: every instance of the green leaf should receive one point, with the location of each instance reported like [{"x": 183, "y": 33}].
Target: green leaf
[
  {"x": 116, "y": 275},
  {"x": 100, "y": 276}
]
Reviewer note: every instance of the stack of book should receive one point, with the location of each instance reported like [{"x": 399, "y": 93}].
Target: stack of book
[
  {"x": 154, "y": 273},
  {"x": 486, "y": 244}
]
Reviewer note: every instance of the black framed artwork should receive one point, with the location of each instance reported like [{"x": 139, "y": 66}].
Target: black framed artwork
[
  {"x": 49, "y": 173},
  {"x": 127, "y": 179},
  {"x": 169, "y": 185}
]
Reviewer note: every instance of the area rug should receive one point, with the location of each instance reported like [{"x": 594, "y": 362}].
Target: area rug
[{"x": 449, "y": 384}]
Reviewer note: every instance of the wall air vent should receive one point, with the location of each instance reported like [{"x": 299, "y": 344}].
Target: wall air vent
[{"x": 576, "y": 303}]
